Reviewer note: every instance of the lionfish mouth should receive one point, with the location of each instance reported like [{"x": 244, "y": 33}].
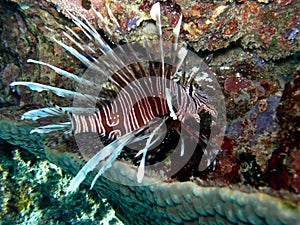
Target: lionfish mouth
[{"x": 154, "y": 104}]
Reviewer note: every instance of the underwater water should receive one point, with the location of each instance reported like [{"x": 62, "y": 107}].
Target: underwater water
[{"x": 254, "y": 175}]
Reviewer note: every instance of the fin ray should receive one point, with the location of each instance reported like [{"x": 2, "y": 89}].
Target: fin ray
[
  {"x": 52, "y": 128},
  {"x": 112, "y": 151},
  {"x": 58, "y": 91},
  {"x": 64, "y": 73},
  {"x": 36, "y": 114}
]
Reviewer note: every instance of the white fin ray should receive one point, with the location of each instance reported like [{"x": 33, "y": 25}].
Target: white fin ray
[
  {"x": 87, "y": 28},
  {"x": 113, "y": 156},
  {"x": 36, "y": 114},
  {"x": 104, "y": 46},
  {"x": 155, "y": 14},
  {"x": 51, "y": 128},
  {"x": 99, "y": 15},
  {"x": 169, "y": 103},
  {"x": 176, "y": 31},
  {"x": 182, "y": 147},
  {"x": 63, "y": 73},
  {"x": 73, "y": 40},
  {"x": 149, "y": 143},
  {"x": 112, "y": 151},
  {"x": 182, "y": 53},
  {"x": 115, "y": 21},
  {"x": 42, "y": 87},
  {"x": 58, "y": 91},
  {"x": 79, "y": 24},
  {"x": 79, "y": 39},
  {"x": 77, "y": 43},
  {"x": 77, "y": 54},
  {"x": 111, "y": 15}
]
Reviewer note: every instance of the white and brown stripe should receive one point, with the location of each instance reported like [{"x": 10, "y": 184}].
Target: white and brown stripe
[{"x": 137, "y": 106}]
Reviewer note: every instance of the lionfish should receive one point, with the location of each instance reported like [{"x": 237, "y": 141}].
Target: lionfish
[{"x": 124, "y": 109}]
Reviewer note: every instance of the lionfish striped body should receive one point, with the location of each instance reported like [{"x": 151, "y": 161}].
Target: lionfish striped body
[
  {"x": 123, "y": 116},
  {"x": 141, "y": 93}
]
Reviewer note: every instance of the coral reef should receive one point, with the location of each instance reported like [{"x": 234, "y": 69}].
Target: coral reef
[
  {"x": 33, "y": 189},
  {"x": 288, "y": 113},
  {"x": 268, "y": 30},
  {"x": 256, "y": 132},
  {"x": 256, "y": 175}
]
